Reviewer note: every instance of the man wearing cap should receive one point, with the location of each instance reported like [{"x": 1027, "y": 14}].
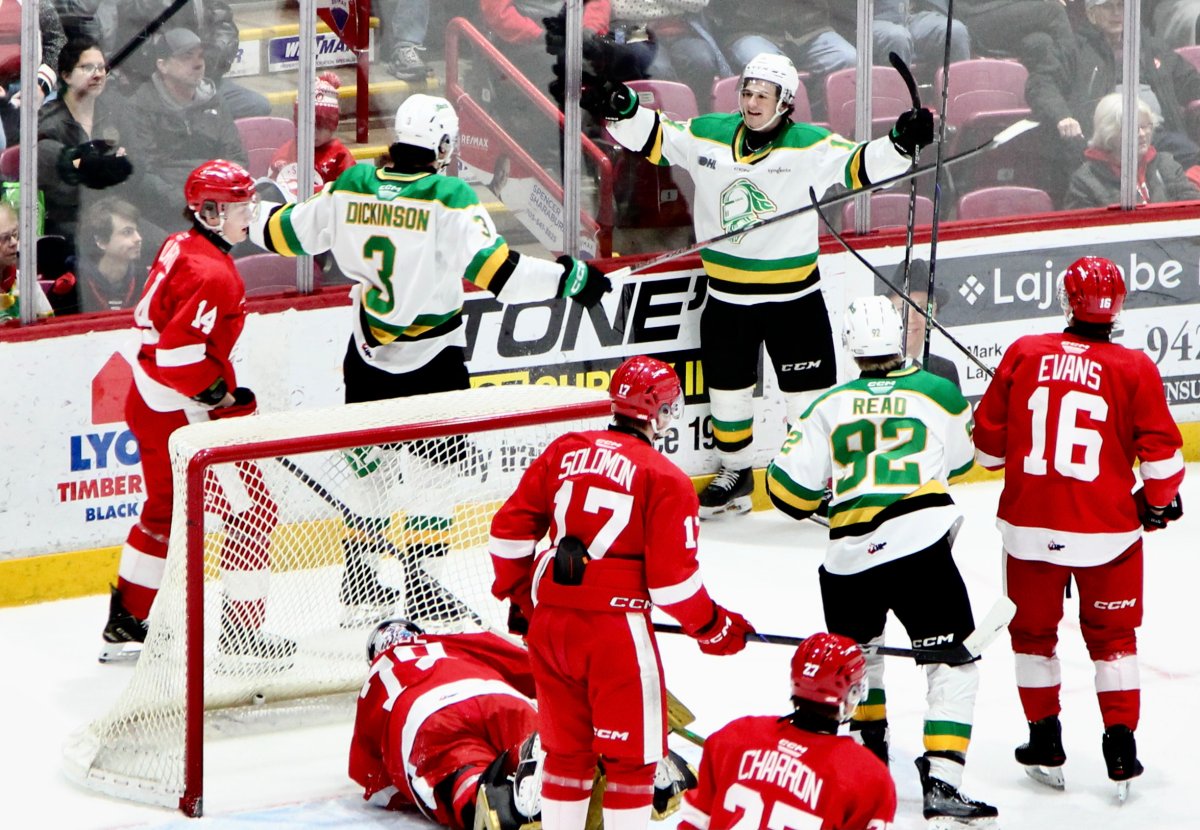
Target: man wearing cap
[{"x": 176, "y": 122}]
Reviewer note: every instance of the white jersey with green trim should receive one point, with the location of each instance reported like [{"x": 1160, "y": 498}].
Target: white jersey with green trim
[
  {"x": 409, "y": 241},
  {"x": 891, "y": 444},
  {"x": 736, "y": 187}
]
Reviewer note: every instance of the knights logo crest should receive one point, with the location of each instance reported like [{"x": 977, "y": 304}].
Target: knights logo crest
[{"x": 743, "y": 204}]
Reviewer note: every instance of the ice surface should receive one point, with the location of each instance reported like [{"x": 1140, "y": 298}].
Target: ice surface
[{"x": 763, "y": 565}]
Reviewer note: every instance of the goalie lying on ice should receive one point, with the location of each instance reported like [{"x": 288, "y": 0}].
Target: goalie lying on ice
[{"x": 446, "y": 723}]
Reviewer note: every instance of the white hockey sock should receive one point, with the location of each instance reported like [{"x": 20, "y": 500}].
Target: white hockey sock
[
  {"x": 635, "y": 818},
  {"x": 566, "y": 815}
]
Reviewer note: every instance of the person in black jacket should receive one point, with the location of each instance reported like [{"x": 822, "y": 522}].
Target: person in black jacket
[
  {"x": 1063, "y": 94},
  {"x": 80, "y": 147},
  {"x": 914, "y": 338}
]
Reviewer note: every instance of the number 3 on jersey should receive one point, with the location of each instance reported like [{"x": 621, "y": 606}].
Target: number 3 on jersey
[{"x": 618, "y": 506}]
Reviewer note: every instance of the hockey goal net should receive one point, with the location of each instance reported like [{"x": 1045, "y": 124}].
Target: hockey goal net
[{"x": 294, "y": 534}]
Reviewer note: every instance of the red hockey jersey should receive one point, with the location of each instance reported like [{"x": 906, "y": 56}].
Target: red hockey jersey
[
  {"x": 763, "y": 772},
  {"x": 190, "y": 316},
  {"x": 411, "y": 682},
  {"x": 636, "y": 512},
  {"x": 1067, "y": 417}
]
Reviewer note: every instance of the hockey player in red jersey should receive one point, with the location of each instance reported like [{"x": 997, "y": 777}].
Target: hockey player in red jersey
[
  {"x": 189, "y": 317},
  {"x": 623, "y": 525},
  {"x": 1065, "y": 415},
  {"x": 434, "y": 714},
  {"x": 769, "y": 772}
]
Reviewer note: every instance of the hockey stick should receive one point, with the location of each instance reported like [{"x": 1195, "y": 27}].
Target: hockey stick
[
  {"x": 965, "y": 652},
  {"x": 937, "y": 179},
  {"x": 146, "y": 32},
  {"x": 927, "y": 313},
  {"x": 910, "y": 227},
  {"x": 1003, "y": 137},
  {"x": 414, "y": 575}
]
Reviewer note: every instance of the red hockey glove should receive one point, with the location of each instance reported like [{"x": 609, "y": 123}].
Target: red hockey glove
[
  {"x": 243, "y": 404},
  {"x": 1156, "y": 518},
  {"x": 63, "y": 284},
  {"x": 726, "y": 634}
]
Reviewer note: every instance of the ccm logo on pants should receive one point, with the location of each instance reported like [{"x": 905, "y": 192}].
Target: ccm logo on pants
[
  {"x": 611, "y": 734},
  {"x": 1115, "y": 605}
]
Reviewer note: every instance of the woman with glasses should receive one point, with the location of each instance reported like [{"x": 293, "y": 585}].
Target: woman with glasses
[
  {"x": 1097, "y": 183},
  {"x": 79, "y": 139}
]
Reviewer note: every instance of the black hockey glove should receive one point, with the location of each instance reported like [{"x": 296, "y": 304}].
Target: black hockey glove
[
  {"x": 1156, "y": 518},
  {"x": 913, "y": 130},
  {"x": 582, "y": 282},
  {"x": 517, "y": 622},
  {"x": 244, "y": 403},
  {"x": 608, "y": 99}
]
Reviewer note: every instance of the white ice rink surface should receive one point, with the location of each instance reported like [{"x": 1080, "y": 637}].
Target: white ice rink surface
[{"x": 763, "y": 565}]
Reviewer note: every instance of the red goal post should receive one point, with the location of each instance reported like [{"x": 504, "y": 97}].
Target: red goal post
[{"x": 295, "y": 533}]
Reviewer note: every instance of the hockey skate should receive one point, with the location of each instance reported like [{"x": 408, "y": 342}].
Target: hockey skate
[
  {"x": 873, "y": 735},
  {"x": 365, "y": 600},
  {"x": 1120, "y": 755},
  {"x": 1043, "y": 757},
  {"x": 123, "y": 633},
  {"x": 728, "y": 492},
  {"x": 243, "y": 650},
  {"x": 946, "y": 808}
]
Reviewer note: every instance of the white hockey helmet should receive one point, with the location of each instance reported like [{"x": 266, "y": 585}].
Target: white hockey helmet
[
  {"x": 776, "y": 69},
  {"x": 872, "y": 328},
  {"x": 429, "y": 122}
]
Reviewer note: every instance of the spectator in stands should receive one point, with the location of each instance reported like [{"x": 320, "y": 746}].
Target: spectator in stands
[
  {"x": 1029, "y": 30},
  {"x": 91, "y": 19},
  {"x": 403, "y": 25},
  {"x": 914, "y": 338},
  {"x": 110, "y": 268},
  {"x": 1098, "y": 181},
  {"x": 1063, "y": 95},
  {"x": 520, "y": 31},
  {"x": 685, "y": 50},
  {"x": 176, "y": 122},
  {"x": 10, "y": 249},
  {"x": 1175, "y": 21},
  {"x": 52, "y": 37},
  {"x": 213, "y": 21},
  {"x": 802, "y": 31},
  {"x": 79, "y": 138},
  {"x": 916, "y": 31},
  {"x": 330, "y": 155}
]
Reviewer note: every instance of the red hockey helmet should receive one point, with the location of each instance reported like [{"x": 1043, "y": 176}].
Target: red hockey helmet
[
  {"x": 1092, "y": 290},
  {"x": 646, "y": 389},
  {"x": 218, "y": 181},
  {"x": 830, "y": 670}
]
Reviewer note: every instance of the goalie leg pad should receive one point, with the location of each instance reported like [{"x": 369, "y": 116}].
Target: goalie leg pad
[{"x": 673, "y": 776}]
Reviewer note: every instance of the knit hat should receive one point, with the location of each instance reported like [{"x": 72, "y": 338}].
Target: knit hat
[{"x": 328, "y": 109}]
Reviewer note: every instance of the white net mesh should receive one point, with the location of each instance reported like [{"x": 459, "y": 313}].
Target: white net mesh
[{"x": 324, "y": 523}]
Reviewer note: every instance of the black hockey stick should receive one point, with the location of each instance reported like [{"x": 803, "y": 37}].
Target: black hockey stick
[
  {"x": 967, "y": 651},
  {"x": 414, "y": 575},
  {"x": 927, "y": 313},
  {"x": 1003, "y": 137},
  {"x": 909, "y": 81},
  {"x": 145, "y": 33},
  {"x": 937, "y": 178}
]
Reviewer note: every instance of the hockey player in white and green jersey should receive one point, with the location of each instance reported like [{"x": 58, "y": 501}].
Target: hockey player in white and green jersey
[
  {"x": 889, "y": 443},
  {"x": 763, "y": 286},
  {"x": 408, "y": 236}
]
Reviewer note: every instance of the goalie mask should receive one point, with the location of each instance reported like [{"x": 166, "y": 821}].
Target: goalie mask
[
  {"x": 777, "y": 70},
  {"x": 1092, "y": 290},
  {"x": 389, "y": 633},
  {"x": 430, "y": 123},
  {"x": 216, "y": 186},
  {"x": 648, "y": 390},
  {"x": 830, "y": 671},
  {"x": 872, "y": 328}
]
